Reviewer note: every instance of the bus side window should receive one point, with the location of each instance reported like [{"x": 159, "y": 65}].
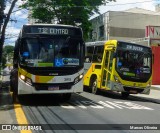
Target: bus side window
[
  {"x": 87, "y": 59},
  {"x": 89, "y": 54},
  {"x": 98, "y": 54}
]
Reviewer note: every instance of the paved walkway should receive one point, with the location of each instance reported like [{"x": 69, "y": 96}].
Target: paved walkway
[{"x": 154, "y": 95}]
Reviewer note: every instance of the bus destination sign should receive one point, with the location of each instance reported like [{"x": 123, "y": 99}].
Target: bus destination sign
[
  {"x": 53, "y": 31},
  {"x": 135, "y": 48},
  {"x": 49, "y": 30}
]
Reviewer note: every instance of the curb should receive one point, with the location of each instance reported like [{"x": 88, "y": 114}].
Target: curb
[{"x": 155, "y": 87}]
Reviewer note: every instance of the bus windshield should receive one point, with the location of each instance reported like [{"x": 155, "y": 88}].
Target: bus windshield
[
  {"x": 51, "y": 52},
  {"x": 133, "y": 64}
]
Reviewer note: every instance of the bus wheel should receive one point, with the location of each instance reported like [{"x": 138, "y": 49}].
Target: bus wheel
[
  {"x": 66, "y": 96},
  {"x": 15, "y": 97},
  {"x": 94, "y": 86},
  {"x": 124, "y": 94}
]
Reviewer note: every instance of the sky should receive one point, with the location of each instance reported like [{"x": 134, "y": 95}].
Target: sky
[{"x": 18, "y": 18}]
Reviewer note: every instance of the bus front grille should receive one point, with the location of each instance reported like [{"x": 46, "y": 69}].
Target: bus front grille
[{"x": 40, "y": 87}]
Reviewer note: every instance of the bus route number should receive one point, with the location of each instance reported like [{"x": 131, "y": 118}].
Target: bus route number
[{"x": 53, "y": 31}]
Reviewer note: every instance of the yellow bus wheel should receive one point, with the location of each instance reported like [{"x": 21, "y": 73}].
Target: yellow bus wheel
[{"x": 94, "y": 86}]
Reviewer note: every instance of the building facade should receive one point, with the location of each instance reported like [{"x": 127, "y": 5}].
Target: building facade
[{"x": 123, "y": 25}]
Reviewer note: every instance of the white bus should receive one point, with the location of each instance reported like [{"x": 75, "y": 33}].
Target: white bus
[{"x": 48, "y": 59}]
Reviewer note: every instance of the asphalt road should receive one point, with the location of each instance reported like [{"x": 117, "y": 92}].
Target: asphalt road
[{"x": 84, "y": 113}]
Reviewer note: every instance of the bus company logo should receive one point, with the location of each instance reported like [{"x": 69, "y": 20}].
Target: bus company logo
[
  {"x": 65, "y": 61},
  {"x": 70, "y": 61}
]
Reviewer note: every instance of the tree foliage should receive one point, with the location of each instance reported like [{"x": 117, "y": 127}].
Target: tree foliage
[
  {"x": 8, "y": 49},
  {"x": 7, "y": 53},
  {"x": 70, "y": 12},
  {"x": 2, "y": 37}
]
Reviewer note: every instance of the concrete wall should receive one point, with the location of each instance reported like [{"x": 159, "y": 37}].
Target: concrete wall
[{"x": 122, "y": 25}]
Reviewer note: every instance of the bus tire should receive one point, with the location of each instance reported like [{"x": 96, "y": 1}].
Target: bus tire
[
  {"x": 94, "y": 87},
  {"x": 66, "y": 96},
  {"x": 125, "y": 94},
  {"x": 15, "y": 93},
  {"x": 15, "y": 97}
]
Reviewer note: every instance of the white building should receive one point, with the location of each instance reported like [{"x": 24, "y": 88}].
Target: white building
[{"x": 123, "y": 25}]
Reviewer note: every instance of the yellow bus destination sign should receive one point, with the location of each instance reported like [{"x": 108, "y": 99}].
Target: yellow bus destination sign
[{"x": 133, "y": 47}]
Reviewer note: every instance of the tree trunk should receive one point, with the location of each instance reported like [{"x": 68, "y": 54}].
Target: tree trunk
[{"x": 2, "y": 39}]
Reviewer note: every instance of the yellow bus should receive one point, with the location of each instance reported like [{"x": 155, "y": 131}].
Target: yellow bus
[{"x": 118, "y": 66}]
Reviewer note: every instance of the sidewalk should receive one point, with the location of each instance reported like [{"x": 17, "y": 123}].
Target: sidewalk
[
  {"x": 154, "y": 95},
  {"x": 156, "y": 87}
]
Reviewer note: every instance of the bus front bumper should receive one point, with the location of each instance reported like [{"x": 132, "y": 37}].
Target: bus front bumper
[
  {"x": 115, "y": 86},
  {"x": 24, "y": 88}
]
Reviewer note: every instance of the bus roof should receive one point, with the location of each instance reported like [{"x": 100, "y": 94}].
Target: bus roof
[
  {"x": 99, "y": 43},
  {"x": 135, "y": 44},
  {"x": 61, "y": 25}
]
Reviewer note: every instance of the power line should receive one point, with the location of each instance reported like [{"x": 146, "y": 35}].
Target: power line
[{"x": 108, "y": 4}]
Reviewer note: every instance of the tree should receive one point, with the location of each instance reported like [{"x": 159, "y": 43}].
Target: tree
[
  {"x": 71, "y": 12},
  {"x": 7, "y": 54},
  {"x": 2, "y": 38},
  {"x": 8, "y": 49}
]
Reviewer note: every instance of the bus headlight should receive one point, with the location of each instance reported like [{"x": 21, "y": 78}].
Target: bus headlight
[
  {"x": 22, "y": 77},
  {"x": 26, "y": 79},
  {"x": 81, "y": 76},
  {"x": 77, "y": 79}
]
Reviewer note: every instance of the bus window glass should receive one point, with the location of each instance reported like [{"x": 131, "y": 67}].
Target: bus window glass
[
  {"x": 51, "y": 52},
  {"x": 98, "y": 54},
  {"x": 134, "y": 62},
  {"x": 89, "y": 53}
]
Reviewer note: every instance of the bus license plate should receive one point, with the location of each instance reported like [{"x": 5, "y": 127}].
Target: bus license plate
[
  {"x": 133, "y": 91},
  {"x": 52, "y": 88}
]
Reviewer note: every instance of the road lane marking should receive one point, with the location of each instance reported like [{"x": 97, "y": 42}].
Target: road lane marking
[
  {"x": 21, "y": 118},
  {"x": 92, "y": 104},
  {"x": 133, "y": 105},
  {"x": 67, "y": 106},
  {"x": 114, "y": 104},
  {"x": 79, "y": 104},
  {"x": 106, "y": 105},
  {"x": 102, "y": 104}
]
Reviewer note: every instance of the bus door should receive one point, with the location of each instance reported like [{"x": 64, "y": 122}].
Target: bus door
[{"x": 107, "y": 69}]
